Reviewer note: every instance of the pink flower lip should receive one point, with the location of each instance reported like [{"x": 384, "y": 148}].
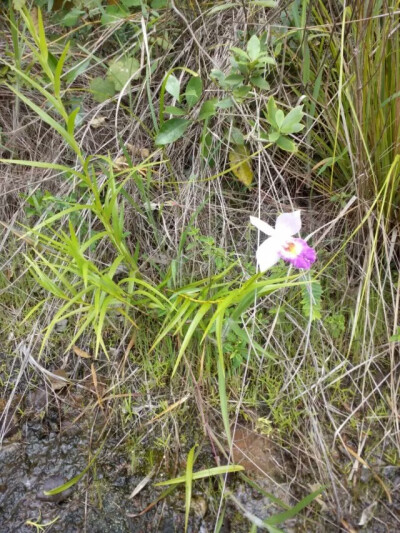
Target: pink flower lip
[{"x": 297, "y": 252}]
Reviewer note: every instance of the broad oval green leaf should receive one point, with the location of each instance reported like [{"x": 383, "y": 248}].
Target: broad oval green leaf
[
  {"x": 173, "y": 110},
  {"x": 123, "y": 70},
  {"x": 225, "y": 103},
  {"x": 253, "y": 48},
  {"x": 171, "y": 131},
  {"x": 260, "y": 83},
  {"x": 173, "y": 86},
  {"x": 194, "y": 88},
  {"x": 208, "y": 109},
  {"x": 286, "y": 144},
  {"x": 236, "y": 136},
  {"x": 102, "y": 89},
  {"x": 292, "y": 120},
  {"x": 234, "y": 79},
  {"x": 279, "y": 117}
]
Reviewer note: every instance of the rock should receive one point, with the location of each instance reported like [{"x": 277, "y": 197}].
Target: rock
[{"x": 52, "y": 483}]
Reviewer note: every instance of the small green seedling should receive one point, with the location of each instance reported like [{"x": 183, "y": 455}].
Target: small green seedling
[{"x": 283, "y": 125}]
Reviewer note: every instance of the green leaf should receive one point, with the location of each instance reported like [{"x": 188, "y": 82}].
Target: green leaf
[
  {"x": 286, "y": 144},
  {"x": 290, "y": 513},
  {"x": 396, "y": 336},
  {"x": 48, "y": 119},
  {"x": 222, "y": 7},
  {"x": 75, "y": 479},
  {"x": 159, "y": 4},
  {"x": 131, "y": 3},
  {"x": 123, "y": 70},
  {"x": 76, "y": 71},
  {"x": 225, "y": 103},
  {"x": 241, "y": 53},
  {"x": 234, "y": 79},
  {"x": 188, "y": 484},
  {"x": 267, "y": 60},
  {"x": 113, "y": 14},
  {"x": 236, "y": 136},
  {"x": 253, "y": 48},
  {"x": 193, "y": 92},
  {"x": 59, "y": 69},
  {"x": 279, "y": 118},
  {"x": 271, "y": 112},
  {"x": 71, "y": 18},
  {"x": 264, "y": 3},
  {"x": 173, "y": 110},
  {"x": 173, "y": 86},
  {"x": 241, "y": 92},
  {"x": 260, "y": 83},
  {"x": 274, "y": 136},
  {"x": 71, "y": 121},
  {"x": 102, "y": 89},
  {"x": 291, "y": 122},
  {"x": 190, "y": 332},
  {"x": 296, "y": 128},
  {"x": 217, "y": 471},
  {"x": 19, "y": 4},
  {"x": 208, "y": 109},
  {"x": 217, "y": 75},
  {"x": 171, "y": 130}
]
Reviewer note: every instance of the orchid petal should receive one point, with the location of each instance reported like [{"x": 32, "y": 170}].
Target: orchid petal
[
  {"x": 288, "y": 224},
  {"x": 268, "y": 254},
  {"x": 262, "y": 226}
]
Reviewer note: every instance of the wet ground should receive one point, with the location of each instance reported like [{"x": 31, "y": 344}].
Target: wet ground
[
  {"x": 52, "y": 440},
  {"x": 46, "y": 450}
]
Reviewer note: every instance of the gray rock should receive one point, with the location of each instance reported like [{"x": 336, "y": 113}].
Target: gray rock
[{"x": 51, "y": 483}]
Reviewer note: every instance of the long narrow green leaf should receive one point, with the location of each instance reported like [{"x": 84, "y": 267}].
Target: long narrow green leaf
[
  {"x": 50, "y": 220},
  {"x": 217, "y": 471},
  {"x": 42, "y": 164},
  {"x": 71, "y": 121},
  {"x": 75, "y": 479},
  {"x": 290, "y": 513},
  {"x": 48, "y": 119},
  {"x": 42, "y": 36},
  {"x": 57, "y": 104},
  {"x": 58, "y": 71},
  {"x": 192, "y": 328},
  {"x": 188, "y": 484},
  {"x": 60, "y": 316},
  {"x": 223, "y": 400},
  {"x": 170, "y": 323}
]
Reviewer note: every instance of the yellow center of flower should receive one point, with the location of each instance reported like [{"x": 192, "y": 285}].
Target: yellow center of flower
[{"x": 292, "y": 249}]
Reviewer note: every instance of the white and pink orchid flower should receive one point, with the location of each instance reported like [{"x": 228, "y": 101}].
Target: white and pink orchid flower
[{"x": 281, "y": 243}]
